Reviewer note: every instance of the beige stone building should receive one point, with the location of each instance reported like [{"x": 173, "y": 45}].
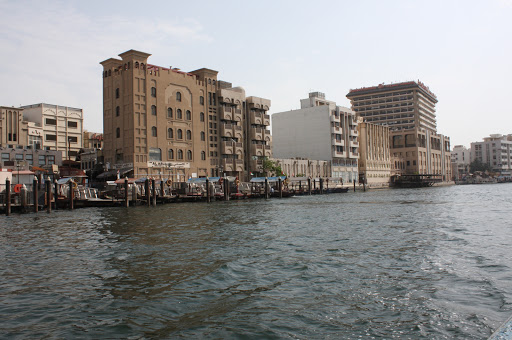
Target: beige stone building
[
  {"x": 374, "y": 154},
  {"x": 13, "y": 129},
  {"x": 165, "y": 122},
  {"x": 408, "y": 109},
  {"x": 300, "y": 167},
  {"x": 55, "y": 127}
]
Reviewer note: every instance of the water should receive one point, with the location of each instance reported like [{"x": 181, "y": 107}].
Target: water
[{"x": 431, "y": 263}]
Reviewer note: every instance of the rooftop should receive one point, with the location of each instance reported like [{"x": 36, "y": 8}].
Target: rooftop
[{"x": 397, "y": 86}]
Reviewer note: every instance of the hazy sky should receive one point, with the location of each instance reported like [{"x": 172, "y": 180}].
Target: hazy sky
[{"x": 280, "y": 50}]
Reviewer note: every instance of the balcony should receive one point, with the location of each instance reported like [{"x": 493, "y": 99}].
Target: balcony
[
  {"x": 257, "y": 134},
  {"x": 256, "y": 118},
  {"x": 227, "y": 148},
  {"x": 226, "y": 130},
  {"x": 266, "y": 120},
  {"x": 257, "y": 149},
  {"x": 238, "y": 131},
  {"x": 339, "y": 142},
  {"x": 239, "y": 147},
  {"x": 256, "y": 165},
  {"x": 336, "y": 129},
  {"x": 226, "y": 113},
  {"x": 227, "y": 164},
  {"x": 239, "y": 165},
  {"x": 237, "y": 115},
  {"x": 268, "y": 151},
  {"x": 354, "y": 143}
]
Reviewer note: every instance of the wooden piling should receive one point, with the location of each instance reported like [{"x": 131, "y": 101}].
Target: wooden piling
[
  {"x": 48, "y": 185},
  {"x": 309, "y": 185},
  {"x": 56, "y": 193},
  {"x": 280, "y": 188},
  {"x": 35, "y": 190},
  {"x": 146, "y": 187},
  {"x": 8, "y": 197},
  {"x": 71, "y": 194},
  {"x": 162, "y": 187},
  {"x": 226, "y": 189},
  {"x": 266, "y": 187},
  {"x": 354, "y": 185},
  {"x": 126, "y": 197},
  {"x": 153, "y": 185},
  {"x": 207, "y": 190},
  {"x": 321, "y": 186}
]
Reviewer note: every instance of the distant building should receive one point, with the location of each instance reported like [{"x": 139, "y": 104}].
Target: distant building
[
  {"x": 494, "y": 151},
  {"x": 460, "y": 161},
  {"x": 13, "y": 130},
  {"x": 408, "y": 109},
  {"x": 319, "y": 130},
  {"x": 374, "y": 154},
  {"x": 26, "y": 158},
  {"x": 56, "y": 128},
  {"x": 165, "y": 122},
  {"x": 298, "y": 167},
  {"x": 92, "y": 140}
]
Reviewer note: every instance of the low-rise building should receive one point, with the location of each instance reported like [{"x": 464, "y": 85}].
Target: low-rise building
[
  {"x": 494, "y": 151},
  {"x": 374, "y": 154},
  {"x": 461, "y": 158},
  {"x": 300, "y": 167}
]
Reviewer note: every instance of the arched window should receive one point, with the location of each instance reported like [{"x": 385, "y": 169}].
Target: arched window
[
  {"x": 179, "y": 115},
  {"x": 118, "y": 111},
  {"x": 203, "y": 155},
  {"x": 153, "y": 92},
  {"x": 188, "y": 115},
  {"x": 180, "y": 154},
  {"x": 125, "y": 66},
  {"x": 201, "y": 100},
  {"x": 170, "y": 154},
  {"x": 118, "y": 133},
  {"x": 201, "y": 116},
  {"x": 170, "y": 133},
  {"x": 109, "y": 73},
  {"x": 142, "y": 66},
  {"x": 180, "y": 134},
  {"x": 153, "y": 110},
  {"x": 153, "y": 131},
  {"x": 117, "y": 92},
  {"x": 178, "y": 96},
  {"x": 136, "y": 64},
  {"x": 189, "y": 155},
  {"x": 189, "y": 135},
  {"x": 202, "y": 136},
  {"x": 169, "y": 113},
  {"x": 105, "y": 74}
]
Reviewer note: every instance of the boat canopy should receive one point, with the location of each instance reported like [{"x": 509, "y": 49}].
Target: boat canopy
[
  {"x": 198, "y": 180},
  {"x": 64, "y": 180},
  {"x": 270, "y": 179}
]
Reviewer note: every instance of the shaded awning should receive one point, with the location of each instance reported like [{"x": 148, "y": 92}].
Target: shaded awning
[
  {"x": 36, "y": 168},
  {"x": 270, "y": 179}
]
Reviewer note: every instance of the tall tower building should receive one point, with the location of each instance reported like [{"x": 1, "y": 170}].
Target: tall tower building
[
  {"x": 165, "y": 122},
  {"x": 408, "y": 109}
]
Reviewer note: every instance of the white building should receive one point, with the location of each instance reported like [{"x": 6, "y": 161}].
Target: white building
[
  {"x": 495, "y": 151},
  {"x": 319, "y": 130},
  {"x": 60, "y": 128},
  {"x": 460, "y": 158}
]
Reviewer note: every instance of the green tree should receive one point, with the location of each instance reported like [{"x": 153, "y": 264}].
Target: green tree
[
  {"x": 271, "y": 168},
  {"x": 476, "y": 165}
]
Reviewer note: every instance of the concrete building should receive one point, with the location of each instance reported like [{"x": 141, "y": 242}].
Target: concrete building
[
  {"x": 408, "y": 109},
  {"x": 165, "y": 122},
  {"x": 56, "y": 128},
  {"x": 92, "y": 140},
  {"x": 13, "y": 129},
  {"x": 299, "y": 167},
  {"x": 461, "y": 158},
  {"x": 374, "y": 154},
  {"x": 319, "y": 130},
  {"x": 25, "y": 158},
  {"x": 494, "y": 151}
]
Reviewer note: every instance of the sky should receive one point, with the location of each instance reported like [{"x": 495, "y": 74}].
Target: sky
[{"x": 281, "y": 50}]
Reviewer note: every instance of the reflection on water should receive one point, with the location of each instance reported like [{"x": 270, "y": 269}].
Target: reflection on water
[{"x": 413, "y": 263}]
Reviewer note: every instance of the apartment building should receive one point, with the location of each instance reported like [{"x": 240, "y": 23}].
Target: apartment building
[
  {"x": 374, "y": 154},
  {"x": 165, "y": 122},
  {"x": 408, "y": 109},
  {"x": 54, "y": 127},
  {"x": 319, "y": 130},
  {"x": 460, "y": 157},
  {"x": 495, "y": 151}
]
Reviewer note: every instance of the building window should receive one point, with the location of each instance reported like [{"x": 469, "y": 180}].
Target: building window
[
  {"x": 117, "y": 92},
  {"x": 203, "y": 155},
  {"x": 153, "y": 131},
  {"x": 170, "y": 133},
  {"x": 153, "y": 92},
  {"x": 180, "y": 154},
  {"x": 178, "y": 96},
  {"x": 72, "y": 124},
  {"x": 189, "y": 155},
  {"x": 201, "y": 100},
  {"x": 203, "y": 136},
  {"x": 189, "y": 135},
  {"x": 180, "y": 134},
  {"x": 169, "y": 113},
  {"x": 179, "y": 115},
  {"x": 42, "y": 160},
  {"x": 170, "y": 154},
  {"x": 51, "y": 137},
  {"x": 50, "y": 121},
  {"x": 118, "y": 111},
  {"x": 18, "y": 156},
  {"x": 188, "y": 115},
  {"x": 30, "y": 159},
  {"x": 155, "y": 154},
  {"x": 118, "y": 133},
  {"x": 201, "y": 116},
  {"x": 73, "y": 139},
  {"x": 50, "y": 159},
  {"x": 153, "y": 110}
]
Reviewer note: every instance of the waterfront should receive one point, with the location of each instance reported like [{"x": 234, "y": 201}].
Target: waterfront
[{"x": 428, "y": 263}]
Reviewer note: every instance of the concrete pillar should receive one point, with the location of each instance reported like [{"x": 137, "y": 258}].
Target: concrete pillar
[
  {"x": 48, "y": 195},
  {"x": 126, "y": 197},
  {"x": 35, "y": 190},
  {"x": 153, "y": 185},
  {"x": 8, "y": 197}
]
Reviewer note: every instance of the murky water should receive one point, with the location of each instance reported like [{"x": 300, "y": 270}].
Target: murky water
[{"x": 430, "y": 263}]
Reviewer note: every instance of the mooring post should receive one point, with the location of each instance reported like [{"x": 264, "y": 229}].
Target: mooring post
[
  {"x": 126, "y": 195},
  {"x": 8, "y": 197},
  {"x": 56, "y": 194},
  {"x": 48, "y": 195},
  {"x": 280, "y": 188},
  {"x": 24, "y": 197},
  {"x": 35, "y": 188},
  {"x": 226, "y": 189},
  {"x": 207, "y": 190},
  {"x": 71, "y": 194},
  {"x": 146, "y": 187},
  {"x": 354, "y": 185},
  {"x": 153, "y": 185},
  {"x": 161, "y": 187},
  {"x": 309, "y": 185},
  {"x": 321, "y": 185},
  {"x": 266, "y": 187}
]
